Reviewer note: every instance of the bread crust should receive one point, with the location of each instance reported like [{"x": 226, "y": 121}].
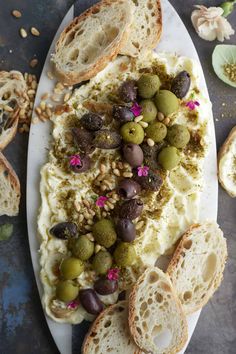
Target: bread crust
[
  {"x": 7, "y": 171},
  {"x": 96, "y": 325},
  {"x": 178, "y": 256},
  {"x": 223, "y": 150},
  {"x": 153, "y": 41},
  {"x": 132, "y": 313},
  {"x": 72, "y": 78}
]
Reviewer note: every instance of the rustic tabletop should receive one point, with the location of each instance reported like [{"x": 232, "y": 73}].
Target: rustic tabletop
[{"x": 23, "y": 328}]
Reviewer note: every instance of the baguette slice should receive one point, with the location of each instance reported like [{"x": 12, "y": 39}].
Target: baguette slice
[
  {"x": 197, "y": 266},
  {"x": 156, "y": 319},
  {"x": 109, "y": 333},
  {"x": 92, "y": 40},
  {"x": 9, "y": 189},
  {"x": 227, "y": 164},
  {"x": 13, "y": 97},
  {"x": 146, "y": 28}
]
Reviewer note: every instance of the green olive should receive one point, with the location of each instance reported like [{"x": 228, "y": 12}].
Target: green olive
[
  {"x": 66, "y": 291},
  {"x": 102, "y": 262},
  {"x": 178, "y": 135},
  {"x": 71, "y": 268},
  {"x": 149, "y": 111},
  {"x": 83, "y": 248},
  {"x": 124, "y": 254},
  {"x": 166, "y": 102},
  {"x": 156, "y": 131},
  {"x": 169, "y": 157},
  {"x": 132, "y": 132},
  {"x": 104, "y": 232},
  {"x": 148, "y": 85}
]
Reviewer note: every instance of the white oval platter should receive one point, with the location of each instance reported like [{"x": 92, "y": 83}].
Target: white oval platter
[{"x": 175, "y": 38}]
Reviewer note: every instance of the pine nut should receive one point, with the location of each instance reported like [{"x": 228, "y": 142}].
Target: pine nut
[
  {"x": 166, "y": 120},
  {"x": 160, "y": 116},
  {"x": 97, "y": 248},
  {"x": 8, "y": 108},
  {"x": 139, "y": 225},
  {"x": 23, "y": 33},
  {"x": 90, "y": 222},
  {"x": 90, "y": 236},
  {"x": 16, "y": 13},
  {"x": 128, "y": 174},
  {"x": 50, "y": 75},
  {"x": 143, "y": 124},
  {"x": 43, "y": 105},
  {"x": 86, "y": 203},
  {"x": 34, "y": 31},
  {"x": 116, "y": 172},
  {"x": 66, "y": 97},
  {"x": 150, "y": 142},
  {"x": 104, "y": 214},
  {"x": 102, "y": 168},
  {"x": 138, "y": 119},
  {"x": 81, "y": 218},
  {"x": 87, "y": 227},
  {"x": 113, "y": 164}
]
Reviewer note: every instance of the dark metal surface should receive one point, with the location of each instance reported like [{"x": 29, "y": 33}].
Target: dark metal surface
[{"x": 23, "y": 328}]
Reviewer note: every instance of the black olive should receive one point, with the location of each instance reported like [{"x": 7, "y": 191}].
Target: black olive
[
  {"x": 133, "y": 154},
  {"x": 84, "y": 166},
  {"x": 131, "y": 209},
  {"x": 152, "y": 182},
  {"x": 90, "y": 301},
  {"x": 150, "y": 154},
  {"x": 91, "y": 121},
  {"x": 106, "y": 139},
  {"x": 122, "y": 114},
  {"x": 64, "y": 230},
  {"x": 128, "y": 91},
  {"x": 122, "y": 295},
  {"x": 83, "y": 139},
  {"x": 104, "y": 286},
  {"x": 180, "y": 84},
  {"x": 128, "y": 188},
  {"x": 126, "y": 230}
]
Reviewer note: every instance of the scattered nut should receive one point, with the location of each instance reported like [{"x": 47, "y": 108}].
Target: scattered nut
[
  {"x": 97, "y": 248},
  {"x": 166, "y": 120},
  {"x": 128, "y": 174},
  {"x": 138, "y": 119},
  {"x": 143, "y": 124},
  {"x": 116, "y": 172},
  {"x": 150, "y": 142},
  {"x": 33, "y": 62},
  {"x": 23, "y": 33},
  {"x": 50, "y": 75},
  {"x": 34, "y": 31},
  {"x": 160, "y": 116},
  {"x": 16, "y": 13}
]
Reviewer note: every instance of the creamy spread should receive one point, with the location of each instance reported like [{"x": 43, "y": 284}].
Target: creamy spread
[{"x": 166, "y": 214}]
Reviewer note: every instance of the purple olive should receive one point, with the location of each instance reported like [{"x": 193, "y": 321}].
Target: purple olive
[
  {"x": 133, "y": 154},
  {"x": 181, "y": 84},
  {"x": 83, "y": 139},
  {"x": 128, "y": 188},
  {"x": 131, "y": 209},
  {"x": 91, "y": 121},
  {"x": 90, "y": 301},
  {"x": 122, "y": 114},
  {"x": 128, "y": 91},
  {"x": 84, "y": 166},
  {"x": 64, "y": 230},
  {"x": 126, "y": 230},
  {"x": 105, "y": 286}
]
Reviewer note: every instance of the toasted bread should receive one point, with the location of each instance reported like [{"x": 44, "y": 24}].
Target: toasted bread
[
  {"x": 13, "y": 97},
  {"x": 92, "y": 40},
  {"x": 156, "y": 319},
  {"x": 146, "y": 29},
  {"x": 109, "y": 333},
  {"x": 227, "y": 164},
  {"x": 197, "y": 266},
  {"x": 9, "y": 189}
]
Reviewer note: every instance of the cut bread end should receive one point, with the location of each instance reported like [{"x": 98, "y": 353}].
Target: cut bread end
[
  {"x": 156, "y": 319},
  {"x": 197, "y": 266}
]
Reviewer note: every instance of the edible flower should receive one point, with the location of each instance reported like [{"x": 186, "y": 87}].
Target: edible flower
[
  {"x": 113, "y": 274},
  {"x": 192, "y": 104},
  {"x": 143, "y": 171},
  {"x": 136, "y": 109},
  {"x": 210, "y": 24},
  {"x": 75, "y": 160},
  {"x": 100, "y": 202},
  {"x": 73, "y": 305}
]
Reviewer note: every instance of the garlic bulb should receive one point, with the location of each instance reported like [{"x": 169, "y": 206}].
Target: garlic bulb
[{"x": 210, "y": 24}]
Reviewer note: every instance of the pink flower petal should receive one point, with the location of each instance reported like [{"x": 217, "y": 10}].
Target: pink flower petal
[
  {"x": 136, "y": 109},
  {"x": 75, "y": 160},
  {"x": 101, "y": 201},
  {"x": 113, "y": 274},
  {"x": 73, "y": 305}
]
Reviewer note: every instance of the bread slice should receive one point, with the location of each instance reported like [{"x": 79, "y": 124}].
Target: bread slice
[
  {"x": 9, "y": 189},
  {"x": 109, "y": 333},
  {"x": 227, "y": 164},
  {"x": 197, "y": 266},
  {"x": 13, "y": 97},
  {"x": 146, "y": 28},
  {"x": 156, "y": 319},
  {"x": 92, "y": 40}
]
